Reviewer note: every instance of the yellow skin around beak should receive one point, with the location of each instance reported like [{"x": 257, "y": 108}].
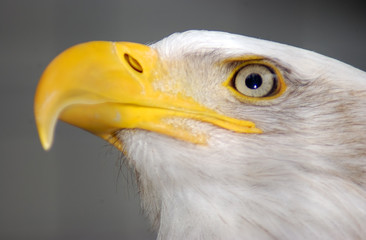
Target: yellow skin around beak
[{"x": 104, "y": 87}]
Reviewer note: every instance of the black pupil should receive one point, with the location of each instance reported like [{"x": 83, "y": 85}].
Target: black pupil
[{"x": 253, "y": 81}]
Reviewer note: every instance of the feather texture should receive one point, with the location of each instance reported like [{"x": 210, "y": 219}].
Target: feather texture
[{"x": 303, "y": 178}]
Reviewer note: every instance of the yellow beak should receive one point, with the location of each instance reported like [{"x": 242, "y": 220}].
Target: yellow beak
[{"x": 103, "y": 87}]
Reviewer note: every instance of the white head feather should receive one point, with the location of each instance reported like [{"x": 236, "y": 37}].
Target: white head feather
[{"x": 303, "y": 178}]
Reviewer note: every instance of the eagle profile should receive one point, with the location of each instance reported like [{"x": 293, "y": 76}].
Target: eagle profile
[{"x": 230, "y": 137}]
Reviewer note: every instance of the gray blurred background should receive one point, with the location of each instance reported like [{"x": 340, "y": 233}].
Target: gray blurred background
[{"x": 78, "y": 190}]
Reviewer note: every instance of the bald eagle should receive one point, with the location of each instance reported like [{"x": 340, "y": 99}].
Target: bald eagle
[{"x": 230, "y": 137}]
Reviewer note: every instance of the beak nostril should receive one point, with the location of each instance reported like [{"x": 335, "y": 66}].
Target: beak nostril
[{"x": 133, "y": 63}]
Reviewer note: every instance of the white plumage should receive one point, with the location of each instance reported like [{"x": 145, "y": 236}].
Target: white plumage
[{"x": 304, "y": 177}]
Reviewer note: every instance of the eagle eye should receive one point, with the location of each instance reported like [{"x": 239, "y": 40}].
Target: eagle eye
[{"x": 255, "y": 80}]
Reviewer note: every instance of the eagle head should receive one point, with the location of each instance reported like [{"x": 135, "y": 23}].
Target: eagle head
[{"x": 230, "y": 137}]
